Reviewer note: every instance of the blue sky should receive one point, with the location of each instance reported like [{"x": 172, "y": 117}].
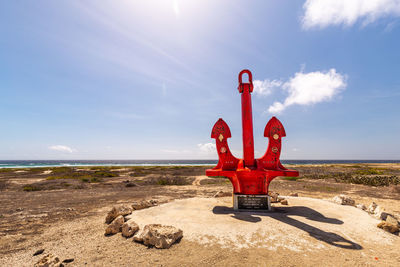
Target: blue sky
[{"x": 148, "y": 79}]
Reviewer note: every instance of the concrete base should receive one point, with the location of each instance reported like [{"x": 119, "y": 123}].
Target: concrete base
[{"x": 251, "y": 202}]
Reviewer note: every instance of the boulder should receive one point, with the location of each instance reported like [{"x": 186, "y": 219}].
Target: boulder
[
  {"x": 343, "y": 200},
  {"x": 120, "y": 210},
  {"x": 130, "y": 184},
  {"x": 138, "y": 236},
  {"x": 69, "y": 260},
  {"x": 129, "y": 228},
  {"x": 153, "y": 202},
  {"x": 115, "y": 226},
  {"x": 274, "y": 196},
  {"x": 49, "y": 261},
  {"x": 223, "y": 194},
  {"x": 38, "y": 252},
  {"x": 159, "y": 236},
  {"x": 361, "y": 207},
  {"x": 388, "y": 227},
  {"x": 139, "y": 205},
  {"x": 294, "y": 194},
  {"x": 284, "y": 202},
  {"x": 380, "y": 213},
  {"x": 372, "y": 207},
  {"x": 391, "y": 219}
]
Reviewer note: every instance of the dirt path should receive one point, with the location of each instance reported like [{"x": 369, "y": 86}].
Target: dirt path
[{"x": 198, "y": 180}]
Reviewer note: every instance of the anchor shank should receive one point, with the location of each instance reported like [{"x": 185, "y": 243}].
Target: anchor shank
[{"x": 247, "y": 122}]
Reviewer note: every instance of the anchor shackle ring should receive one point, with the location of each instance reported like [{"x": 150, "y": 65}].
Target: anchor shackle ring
[{"x": 250, "y": 83}]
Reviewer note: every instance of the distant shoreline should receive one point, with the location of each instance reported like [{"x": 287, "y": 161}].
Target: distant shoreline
[{"x": 126, "y": 163}]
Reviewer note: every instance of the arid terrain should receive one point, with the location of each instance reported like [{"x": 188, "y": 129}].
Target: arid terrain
[{"x": 62, "y": 211}]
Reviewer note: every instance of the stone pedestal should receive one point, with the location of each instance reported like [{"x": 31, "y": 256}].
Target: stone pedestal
[{"x": 251, "y": 202}]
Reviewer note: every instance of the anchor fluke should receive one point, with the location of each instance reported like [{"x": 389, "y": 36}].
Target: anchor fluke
[
  {"x": 274, "y": 126},
  {"x": 220, "y": 128},
  {"x": 221, "y": 132}
]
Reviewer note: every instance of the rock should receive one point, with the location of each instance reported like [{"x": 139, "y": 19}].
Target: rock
[
  {"x": 372, "y": 207},
  {"x": 361, "y": 206},
  {"x": 115, "y": 226},
  {"x": 130, "y": 184},
  {"x": 38, "y": 252},
  {"x": 380, "y": 213},
  {"x": 377, "y": 211},
  {"x": 117, "y": 211},
  {"x": 129, "y": 228},
  {"x": 343, "y": 200},
  {"x": 48, "y": 261},
  {"x": 284, "y": 202},
  {"x": 388, "y": 227},
  {"x": 68, "y": 260},
  {"x": 159, "y": 236},
  {"x": 274, "y": 196},
  {"x": 223, "y": 194},
  {"x": 153, "y": 202},
  {"x": 138, "y": 236},
  {"x": 294, "y": 194},
  {"x": 391, "y": 219},
  {"x": 143, "y": 204}
]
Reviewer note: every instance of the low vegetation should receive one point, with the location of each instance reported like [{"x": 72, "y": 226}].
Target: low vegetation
[
  {"x": 292, "y": 178},
  {"x": 87, "y": 176},
  {"x": 356, "y": 174},
  {"x": 30, "y": 188},
  {"x": 5, "y": 170},
  {"x": 3, "y": 184},
  {"x": 374, "y": 180},
  {"x": 56, "y": 177},
  {"x": 169, "y": 180}
]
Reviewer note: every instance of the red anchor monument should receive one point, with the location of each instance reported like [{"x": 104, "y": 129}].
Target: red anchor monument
[{"x": 250, "y": 177}]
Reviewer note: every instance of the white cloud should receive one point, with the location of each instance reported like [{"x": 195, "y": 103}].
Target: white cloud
[
  {"x": 310, "y": 88},
  {"x": 276, "y": 108},
  {"x": 61, "y": 148},
  {"x": 207, "y": 148},
  {"x": 322, "y": 13},
  {"x": 265, "y": 87}
]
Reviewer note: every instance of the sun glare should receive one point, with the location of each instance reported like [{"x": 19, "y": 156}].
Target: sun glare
[{"x": 176, "y": 8}]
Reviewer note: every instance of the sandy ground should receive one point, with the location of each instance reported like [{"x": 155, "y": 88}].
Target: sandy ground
[
  {"x": 306, "y": 225},
  {"x": 310, "y": 231},
  {"x": 307, "y": 232}
]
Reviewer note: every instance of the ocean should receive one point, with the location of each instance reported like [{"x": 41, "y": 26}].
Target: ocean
[{"x": 60, "y": 163}]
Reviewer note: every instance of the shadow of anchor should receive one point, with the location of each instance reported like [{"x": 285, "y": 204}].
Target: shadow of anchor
[{"x": 282, "y": 214}]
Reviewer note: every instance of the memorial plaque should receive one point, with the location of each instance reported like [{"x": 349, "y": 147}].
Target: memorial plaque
[{"x": 251, "y": 202}]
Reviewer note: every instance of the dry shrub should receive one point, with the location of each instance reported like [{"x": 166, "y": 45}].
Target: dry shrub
[
  {"x": 168, "y": 180},
  {"x": 374, "y": 180},
  {"x": 3, "y": 185}
]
